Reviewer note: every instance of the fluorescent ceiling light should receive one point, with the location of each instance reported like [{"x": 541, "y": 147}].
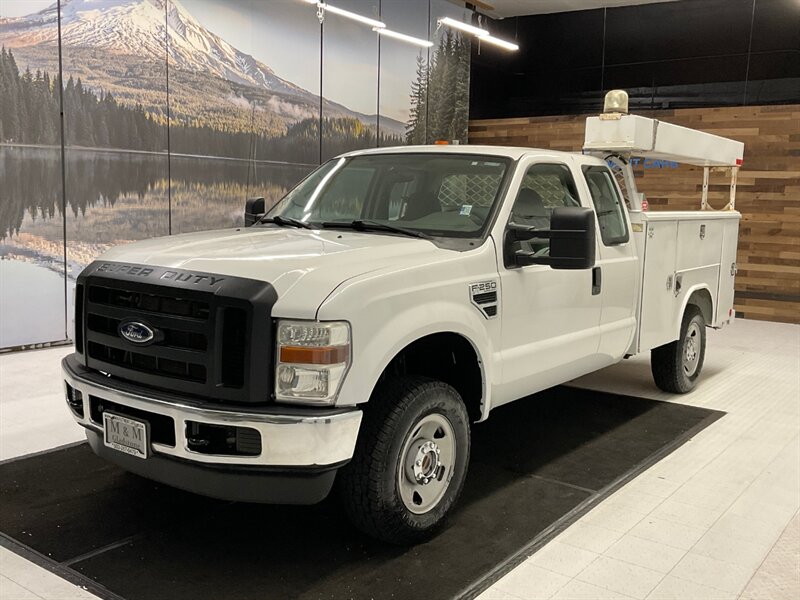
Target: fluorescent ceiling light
[
  {"x": 403, "y": 37},
  {"x": 351, "y": 15},
  {"x": 456, "y": 24},
  {"x": 490, "y": 39}
]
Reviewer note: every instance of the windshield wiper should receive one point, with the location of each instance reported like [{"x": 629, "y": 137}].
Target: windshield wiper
[
  {"x": 279, "y": 220},
  {"x": 365, "y": 225}
]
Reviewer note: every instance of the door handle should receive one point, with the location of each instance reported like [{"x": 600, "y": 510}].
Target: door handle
[{"x": 597, "y": 281}]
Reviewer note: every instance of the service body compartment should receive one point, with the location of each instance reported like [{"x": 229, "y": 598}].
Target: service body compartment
[
  {"x": 683, "y": 253},
  {"x": 727, "y": 272}
]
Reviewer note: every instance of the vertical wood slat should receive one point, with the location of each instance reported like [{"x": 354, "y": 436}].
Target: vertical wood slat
[{"x": 768, "y": 189}]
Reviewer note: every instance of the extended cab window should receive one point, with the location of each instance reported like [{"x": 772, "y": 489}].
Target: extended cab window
[
  {"x": 544, "y": 187},
  {"x": 607, "y": 204},
  {"x": 449, "y": 195}
]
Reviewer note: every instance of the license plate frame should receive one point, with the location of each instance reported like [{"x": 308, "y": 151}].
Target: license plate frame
[{"x": 127, "y": 435}]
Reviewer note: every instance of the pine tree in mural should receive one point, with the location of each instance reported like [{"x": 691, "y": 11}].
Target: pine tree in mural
[
  {"x": 462, "y": 58},
  {"x": 28, "y": 104},
  {"x": 29, "y": 114},
  {"x": 415, "y": 129},
  {"x": 440, "y": 93}
]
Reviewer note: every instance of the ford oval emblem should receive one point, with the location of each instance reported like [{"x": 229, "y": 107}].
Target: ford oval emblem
[{"x": 136, "y": 332}]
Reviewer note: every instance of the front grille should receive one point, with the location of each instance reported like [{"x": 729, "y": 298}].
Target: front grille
[
  {"x": 147, "y": 363},
  {"x": 233, "y": 345},
  {"x": 149, "y": 302},
  {"x": 175, "y": 338},
  {"x": 187, "y": 338},
  {"x": 183, "y": 325},
  {"x": 79, "y": 319}
]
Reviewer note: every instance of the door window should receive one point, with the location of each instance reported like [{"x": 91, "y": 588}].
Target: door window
[
  {"x": 607, "y": 205},
  {"x": 544, "y": 187}
]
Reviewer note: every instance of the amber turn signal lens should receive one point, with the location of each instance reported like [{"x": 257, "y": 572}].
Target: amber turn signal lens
[{"x": 310, "y": 355}]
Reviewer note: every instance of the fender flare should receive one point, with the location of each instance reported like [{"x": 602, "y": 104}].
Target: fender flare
[
  {"x": 413, "y": 331},
  {"x": 689, "y": 293}
]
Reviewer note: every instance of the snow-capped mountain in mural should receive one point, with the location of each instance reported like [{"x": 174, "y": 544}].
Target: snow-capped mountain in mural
[{"x": 136, "y": 28}]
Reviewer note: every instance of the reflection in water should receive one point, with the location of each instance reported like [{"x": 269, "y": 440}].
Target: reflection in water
[
  {"x": 115, "y": 197},
  {"x": 112, "y": 198}
]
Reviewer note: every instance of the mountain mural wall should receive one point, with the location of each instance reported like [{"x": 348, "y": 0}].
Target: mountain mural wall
[{"x": 176, "y": 111}]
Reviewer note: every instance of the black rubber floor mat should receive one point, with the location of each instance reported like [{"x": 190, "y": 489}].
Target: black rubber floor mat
[{"x": 537, "y": 464}]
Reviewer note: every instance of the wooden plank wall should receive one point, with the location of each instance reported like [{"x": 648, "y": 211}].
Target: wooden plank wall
[{"x": 768, "y": 194}]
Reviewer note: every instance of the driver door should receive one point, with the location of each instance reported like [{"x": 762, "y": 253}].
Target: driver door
[{"x": 551, "y": 317}]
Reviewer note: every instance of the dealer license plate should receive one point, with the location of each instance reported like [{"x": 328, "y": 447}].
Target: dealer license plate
[{"x": 125, "y": 434}]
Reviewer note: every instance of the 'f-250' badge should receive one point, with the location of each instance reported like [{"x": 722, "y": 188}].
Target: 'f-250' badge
[{"x": 483, "y": 294}]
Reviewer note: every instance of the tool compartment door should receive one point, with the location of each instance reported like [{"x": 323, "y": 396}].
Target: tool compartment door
[
  {"x": 657, "y": 320},
  {"x": 727, "y": 272},
  {"x": 699, "y": 243}
]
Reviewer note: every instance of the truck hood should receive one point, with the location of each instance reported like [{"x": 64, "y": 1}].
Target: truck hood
[{"x": 303, "y": 266}]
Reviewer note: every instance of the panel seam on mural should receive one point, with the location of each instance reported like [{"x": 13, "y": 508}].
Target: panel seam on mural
[
  {"x": 169, "y": 119},
  {"x": 63, "y": 171}
]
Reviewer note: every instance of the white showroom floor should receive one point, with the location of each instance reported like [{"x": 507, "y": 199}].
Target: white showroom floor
[{"x": 716, "y": 519}]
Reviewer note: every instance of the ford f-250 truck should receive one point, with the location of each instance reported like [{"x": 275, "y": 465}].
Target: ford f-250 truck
[{"x": 351, "y": 334}]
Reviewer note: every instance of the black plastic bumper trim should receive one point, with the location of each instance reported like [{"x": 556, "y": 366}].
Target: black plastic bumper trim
[{"x": 235, "y": 483}]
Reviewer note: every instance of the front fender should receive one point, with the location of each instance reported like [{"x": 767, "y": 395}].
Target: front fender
[
  {"x": 393, "y": 307},
  {"x": 376, "y": 344}
]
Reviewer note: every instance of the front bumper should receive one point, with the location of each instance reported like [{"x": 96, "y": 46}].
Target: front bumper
[{"x": 301, "y": 448}]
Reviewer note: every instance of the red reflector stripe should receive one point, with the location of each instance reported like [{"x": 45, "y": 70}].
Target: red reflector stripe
[{"x": 739, "y": 161}]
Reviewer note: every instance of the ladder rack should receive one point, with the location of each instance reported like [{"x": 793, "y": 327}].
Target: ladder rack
[{"x": 617, "y": 137}]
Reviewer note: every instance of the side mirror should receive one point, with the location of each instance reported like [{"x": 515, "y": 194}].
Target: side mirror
[
  {"x": 254, "y": 209},
  {"x": 571, "y": 235}
]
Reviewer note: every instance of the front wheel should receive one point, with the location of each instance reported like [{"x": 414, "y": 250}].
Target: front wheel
[
  {"x": 677, "y": 365},
  {"x": 410, "y": 461}
]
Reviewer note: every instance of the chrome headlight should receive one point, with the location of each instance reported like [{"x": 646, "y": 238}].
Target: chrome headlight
[{"x": 312, "y": 360}]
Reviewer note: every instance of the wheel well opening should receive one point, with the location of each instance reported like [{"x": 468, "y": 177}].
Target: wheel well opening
[
  {"x": 448, "y": 357},
  {"x": 702, "y": 300}
]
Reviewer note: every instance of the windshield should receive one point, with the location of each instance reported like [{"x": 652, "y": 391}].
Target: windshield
[{"x": 438, "y": 194}]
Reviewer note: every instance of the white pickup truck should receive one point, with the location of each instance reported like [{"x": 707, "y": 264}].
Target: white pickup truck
[{"x": 350, "y": 336}]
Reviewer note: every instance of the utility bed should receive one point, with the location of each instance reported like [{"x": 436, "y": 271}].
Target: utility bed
[{"x": 683, "y": 252}]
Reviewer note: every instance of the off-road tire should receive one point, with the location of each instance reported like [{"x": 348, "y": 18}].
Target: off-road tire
[
  {"x": 368, "y": 486},
  {"x": 667, "y": 361}
]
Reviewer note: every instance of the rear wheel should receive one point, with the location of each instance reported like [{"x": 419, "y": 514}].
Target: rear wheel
[
  {"x": 410, "y": 461},
  {"x": 677, "y": 365}
]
